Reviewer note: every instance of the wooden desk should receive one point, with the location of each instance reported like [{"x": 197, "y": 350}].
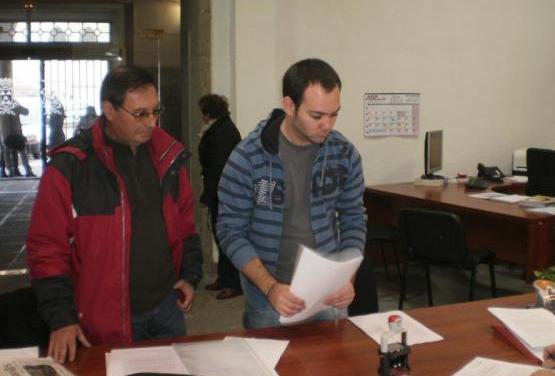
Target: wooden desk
[
  {"x": 515, "y": 235},
  {"x": 326, "y": 349}
]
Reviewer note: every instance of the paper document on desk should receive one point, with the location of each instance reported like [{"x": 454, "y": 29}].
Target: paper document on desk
[
  {"x": 376, "y": 324},
  {"x": 517, "y": 178},
  {"x": 510, "y": 198},
  {"x": 545, "y": 210},
  {"x": 532, "y": 327},
  {"x": 32, "y": 367},
  {"x": 487, "y": 195},
  {"x": 24, "y": 352},
  {"x": 159, "y": 359},
  {"x": 316, "y": 277},
  {"x": 177, "y": 360},
  {"x": 268, "y": 350},
  {"x": 231, "y": 357},
  {"x": 489, "y": 367}
]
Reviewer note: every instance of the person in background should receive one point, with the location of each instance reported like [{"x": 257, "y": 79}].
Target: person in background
[
  {"x": 3, "y": 173},
  {"x": 14, "y": 143},
  {"x": 86, "y": 121},
  {"x": 293, "y": 180},
  {"x": 218, "y": 137},
  {"x": 56, "y": 124},
  {"x": 112, "y": 248}
]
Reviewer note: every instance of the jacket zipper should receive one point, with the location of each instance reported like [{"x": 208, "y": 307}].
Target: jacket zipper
[{"x": 123, "y": 268}]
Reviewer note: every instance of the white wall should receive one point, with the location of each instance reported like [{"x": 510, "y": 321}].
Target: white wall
[{"x": 485, "y": 70}]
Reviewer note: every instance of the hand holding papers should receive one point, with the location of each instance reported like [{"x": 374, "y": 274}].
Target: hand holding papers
[{"x": 317, "y": 277}]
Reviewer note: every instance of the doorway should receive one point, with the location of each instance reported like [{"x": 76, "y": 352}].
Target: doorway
[{"x": 58, "y": 95}]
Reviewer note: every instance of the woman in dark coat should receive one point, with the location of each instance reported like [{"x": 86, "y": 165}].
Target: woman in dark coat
[{"x": 218, "y": 138}]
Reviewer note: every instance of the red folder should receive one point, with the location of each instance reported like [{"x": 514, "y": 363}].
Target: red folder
[{"x": 513, "y": 340}]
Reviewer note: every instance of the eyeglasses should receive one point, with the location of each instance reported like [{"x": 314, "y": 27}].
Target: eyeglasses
[{"x": 145, "y": 115}]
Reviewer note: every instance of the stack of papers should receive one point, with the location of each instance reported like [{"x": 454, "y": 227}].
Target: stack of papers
[
  {"x": 538, "y": 201},
  {"x": 517, "y": 178},
  {"x": 532, "y": 327},
  {"x": 316, "y": 277},
  {"x": 376, "y": 324},
  {"x": 490, "y": 367},
  {"x": 496, "y": 196},
  {"x": 230, "y": 356}
]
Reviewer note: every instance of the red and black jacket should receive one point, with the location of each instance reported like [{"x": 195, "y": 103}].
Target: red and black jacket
[{"x": 78, "y": 244}]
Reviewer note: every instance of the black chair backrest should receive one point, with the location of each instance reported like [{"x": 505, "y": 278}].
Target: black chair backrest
[
  {"x": 433, "y": 236},
  {"x": 540, "y": 164}
]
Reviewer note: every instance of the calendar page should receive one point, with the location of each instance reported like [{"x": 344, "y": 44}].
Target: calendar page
[{"x": 387, "y": 114}]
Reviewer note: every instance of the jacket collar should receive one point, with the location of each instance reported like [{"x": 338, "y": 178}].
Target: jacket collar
[
  {"x": 217, "y": 124},
  {"x": 163, "y": 148},
  {"x": 270, "y": 132}
]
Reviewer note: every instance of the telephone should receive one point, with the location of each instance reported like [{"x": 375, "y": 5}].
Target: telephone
[{"x": 492, "y": 173}]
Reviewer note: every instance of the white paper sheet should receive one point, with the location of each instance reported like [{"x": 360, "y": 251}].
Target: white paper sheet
[
  {"x": 544, "y": 210},
  {"x": 24, "y": 352},
  {"x": 376, "y": 324},
  {"x": 161, "y": 359},
  {"x": 230, "y": 357},
  {"x": 489, "y": 367},
  {"x": 510, "y": 198},
  {"x": 316, "y": 277},
  {"x": 518, "y": 178},
  {"x": 534, "y": 326},
  {"x": 268, "y": 350},
  {"x": 487, "y": 195}
]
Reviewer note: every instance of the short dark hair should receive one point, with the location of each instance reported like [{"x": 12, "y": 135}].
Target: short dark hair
[
  {"x": 120, "y": 80},
  {"x": 307, "y": 72},
  {"x": 213, "y": 105}
]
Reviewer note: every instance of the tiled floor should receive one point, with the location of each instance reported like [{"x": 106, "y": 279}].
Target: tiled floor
[{"x": 211, "y": 315}]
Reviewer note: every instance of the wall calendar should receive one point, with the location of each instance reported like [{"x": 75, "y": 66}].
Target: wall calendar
[{"x": 391, "y": 114}]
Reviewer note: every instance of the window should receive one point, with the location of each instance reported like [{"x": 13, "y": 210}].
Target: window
[
  {"x": 70, "y": 32},
  {"x": 56, "y": 32}
]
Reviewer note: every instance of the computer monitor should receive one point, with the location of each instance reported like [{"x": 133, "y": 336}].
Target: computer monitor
[
  {"x": 540, "y": 165},
  {"x": 433, "y": 154}
]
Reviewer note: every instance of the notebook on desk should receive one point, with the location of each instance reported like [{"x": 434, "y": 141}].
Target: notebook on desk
[{"x": 513, "y": 340}]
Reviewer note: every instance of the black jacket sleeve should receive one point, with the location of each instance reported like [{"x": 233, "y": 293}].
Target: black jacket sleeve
[
  {"x": 191, "y": 263},
  {"x": 55, "y": 301}
]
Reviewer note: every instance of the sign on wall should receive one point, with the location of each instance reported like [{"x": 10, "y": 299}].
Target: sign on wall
[{"x": 391, "y": 114}]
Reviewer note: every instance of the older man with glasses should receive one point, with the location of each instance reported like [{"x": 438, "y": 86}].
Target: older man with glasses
[{"x": 112, "y": 248}]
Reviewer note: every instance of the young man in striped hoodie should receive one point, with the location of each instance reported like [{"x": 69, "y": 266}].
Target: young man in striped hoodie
[{"x": 293, "y": 180}]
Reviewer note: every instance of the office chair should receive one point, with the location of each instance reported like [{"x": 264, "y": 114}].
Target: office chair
[
  {"x": 540, "y": 165},
  {"x": 382, "y": 235},
  {"x": 437, "y": 238}
]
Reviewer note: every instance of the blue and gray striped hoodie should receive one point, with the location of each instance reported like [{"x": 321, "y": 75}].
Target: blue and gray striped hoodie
[{"x": 251, "y": 195}]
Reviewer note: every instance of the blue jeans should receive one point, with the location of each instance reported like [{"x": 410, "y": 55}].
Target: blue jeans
[
  {"x": 164, "y": 321},
  {"x": 268, "y": 317}
]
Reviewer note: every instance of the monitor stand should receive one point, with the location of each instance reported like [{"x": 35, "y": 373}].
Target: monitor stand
[
  {"x": 432, "y": 177},
  {"x": 431, "y": 180}
]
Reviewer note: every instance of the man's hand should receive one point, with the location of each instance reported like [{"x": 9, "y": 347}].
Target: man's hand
[
  {"x": 186, "y": 295},
  {"x": 342, "y": 297},
  {"x": 63, "y": 342},
  {"x": 284, "y": 301}
]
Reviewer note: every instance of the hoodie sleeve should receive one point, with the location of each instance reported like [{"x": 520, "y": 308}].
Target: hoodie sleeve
[
  {"x": 350, "y": 206},
  {"x": 236, "y": 204}
]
